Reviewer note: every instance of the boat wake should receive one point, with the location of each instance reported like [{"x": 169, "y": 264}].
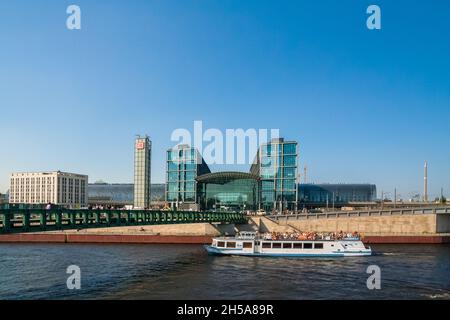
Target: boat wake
[{"x": 443, "y": 296}]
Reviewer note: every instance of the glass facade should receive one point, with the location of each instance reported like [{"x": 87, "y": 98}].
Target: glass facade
[
  {"x": 142, "y": 172},
  {"x": 337, "y": 194},
  {"x": 276, "y": 165},
  {"x": 270, "y": 185},
  {"x": 233, "y": 191},
  {"x": 118, "y": 193},
  {"x": 184, "y": 164}
]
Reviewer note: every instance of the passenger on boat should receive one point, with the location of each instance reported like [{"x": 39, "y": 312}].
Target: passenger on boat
[{"x": 309, "y": 236}]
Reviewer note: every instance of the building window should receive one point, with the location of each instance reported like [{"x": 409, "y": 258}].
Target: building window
[
  {"x": 289, "y": 172},
  {"x": 289, "y": 148},
  {"x": 289, "y": 160}
]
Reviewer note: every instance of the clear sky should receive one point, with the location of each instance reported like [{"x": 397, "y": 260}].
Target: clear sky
[{"x": 365, "y": 106}]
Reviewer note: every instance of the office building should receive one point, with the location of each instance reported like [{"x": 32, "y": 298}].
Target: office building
[
  {"x": 276, "y": 165},
  {"x": 142, "y": 172},
  {"x": 61, "y": 188},
  {"x": 184, "y": 165}
]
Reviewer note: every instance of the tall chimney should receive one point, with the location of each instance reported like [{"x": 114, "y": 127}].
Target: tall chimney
[{"x": 425, "y": 182}]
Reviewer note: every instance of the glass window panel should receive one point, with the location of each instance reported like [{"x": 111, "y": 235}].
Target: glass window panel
[
  {"x": 289, "y": 184},
  {"x": 266, "y": 162},
  {"x": 278, "y": 184},
  {"x": 173, "y": 176},
  {"x": 289, "y": 196},
  {"x": 289, "y": 160},
  {"x": 279, "y": 172},
  {"x": 190, "y": 186},
  {"x": 173, "y": 166},
  {"x": 263, "y": 151},
  {"x": 267, "y": 196},
  {"x": 267, "y": 185},
  {"x": 190, "y": 175},
  {"x": 289, "y": 148},
  {"x": 289, "y": 172},
  {"x": 267, "y": 173},
  {"x": 189, "y": 196},
  {"x": 172, "y": 186},
  {"x": 172, "y": 196}
]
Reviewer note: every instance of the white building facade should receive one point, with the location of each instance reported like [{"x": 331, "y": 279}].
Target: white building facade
[{"x": 60, "y": 188}]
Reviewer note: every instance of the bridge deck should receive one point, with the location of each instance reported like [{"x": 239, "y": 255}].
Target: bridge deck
[{"x": 17, "y": 220}]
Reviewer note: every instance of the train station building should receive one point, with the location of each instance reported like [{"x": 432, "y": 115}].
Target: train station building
[{"x": 270, "y": 184}]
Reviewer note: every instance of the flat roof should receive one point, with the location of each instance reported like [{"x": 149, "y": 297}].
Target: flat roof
[{"x": 49, "y": 172}]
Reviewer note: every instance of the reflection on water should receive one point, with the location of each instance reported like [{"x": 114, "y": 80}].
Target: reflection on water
[{"x": 187, "y": 272}]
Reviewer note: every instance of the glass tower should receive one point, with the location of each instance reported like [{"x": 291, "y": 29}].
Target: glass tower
[
  {"x": 184, "y": 164},
  {"x": 276, "y": 165},
  {"x": 142, "y": 172}
]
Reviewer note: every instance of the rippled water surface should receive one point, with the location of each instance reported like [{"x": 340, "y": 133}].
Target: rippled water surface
[{"x": 187, "y": 272}]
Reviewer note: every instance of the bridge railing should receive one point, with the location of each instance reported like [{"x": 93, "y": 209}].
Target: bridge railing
[
  {"x": 16, "y": 220},
  {"x": 362, "y": 213}
]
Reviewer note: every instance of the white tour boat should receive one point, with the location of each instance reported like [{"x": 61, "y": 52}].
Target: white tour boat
[{"x": 250, "y": 244}]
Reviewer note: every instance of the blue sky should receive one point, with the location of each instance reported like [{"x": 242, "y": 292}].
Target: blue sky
[{"x": 365, "y": 106}]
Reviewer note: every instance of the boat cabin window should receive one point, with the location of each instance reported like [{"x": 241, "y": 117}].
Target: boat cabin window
[
  {"x": 307, "y": 245},
  {"x": 318, "y": 245},
  {"x": 221, "y": 244},
  {"x": 276, "y": 245},
  {"x": 248, "y": 245},
  {"x": 231, "y": 244},
  {"x": 287, "y": 245},
  {"x": 267, "y": 245},
  {"x": 298, "y": 245}
]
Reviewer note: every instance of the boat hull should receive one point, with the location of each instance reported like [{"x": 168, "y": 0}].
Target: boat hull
[{"x": 223, "y": 252}]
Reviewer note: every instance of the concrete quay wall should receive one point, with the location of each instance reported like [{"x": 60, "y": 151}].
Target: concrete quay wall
[
  {"x": 374, "y": 225},
  {"x": 200, "y": 233}
]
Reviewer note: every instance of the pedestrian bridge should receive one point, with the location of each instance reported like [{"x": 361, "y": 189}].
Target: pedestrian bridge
[{"x": 22, "y": 220}]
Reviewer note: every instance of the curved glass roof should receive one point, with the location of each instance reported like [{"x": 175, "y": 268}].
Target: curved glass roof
[{"x": 226, "y": 176}]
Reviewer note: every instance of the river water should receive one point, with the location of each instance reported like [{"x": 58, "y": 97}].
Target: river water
[{"x": 38, "y": 271}]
